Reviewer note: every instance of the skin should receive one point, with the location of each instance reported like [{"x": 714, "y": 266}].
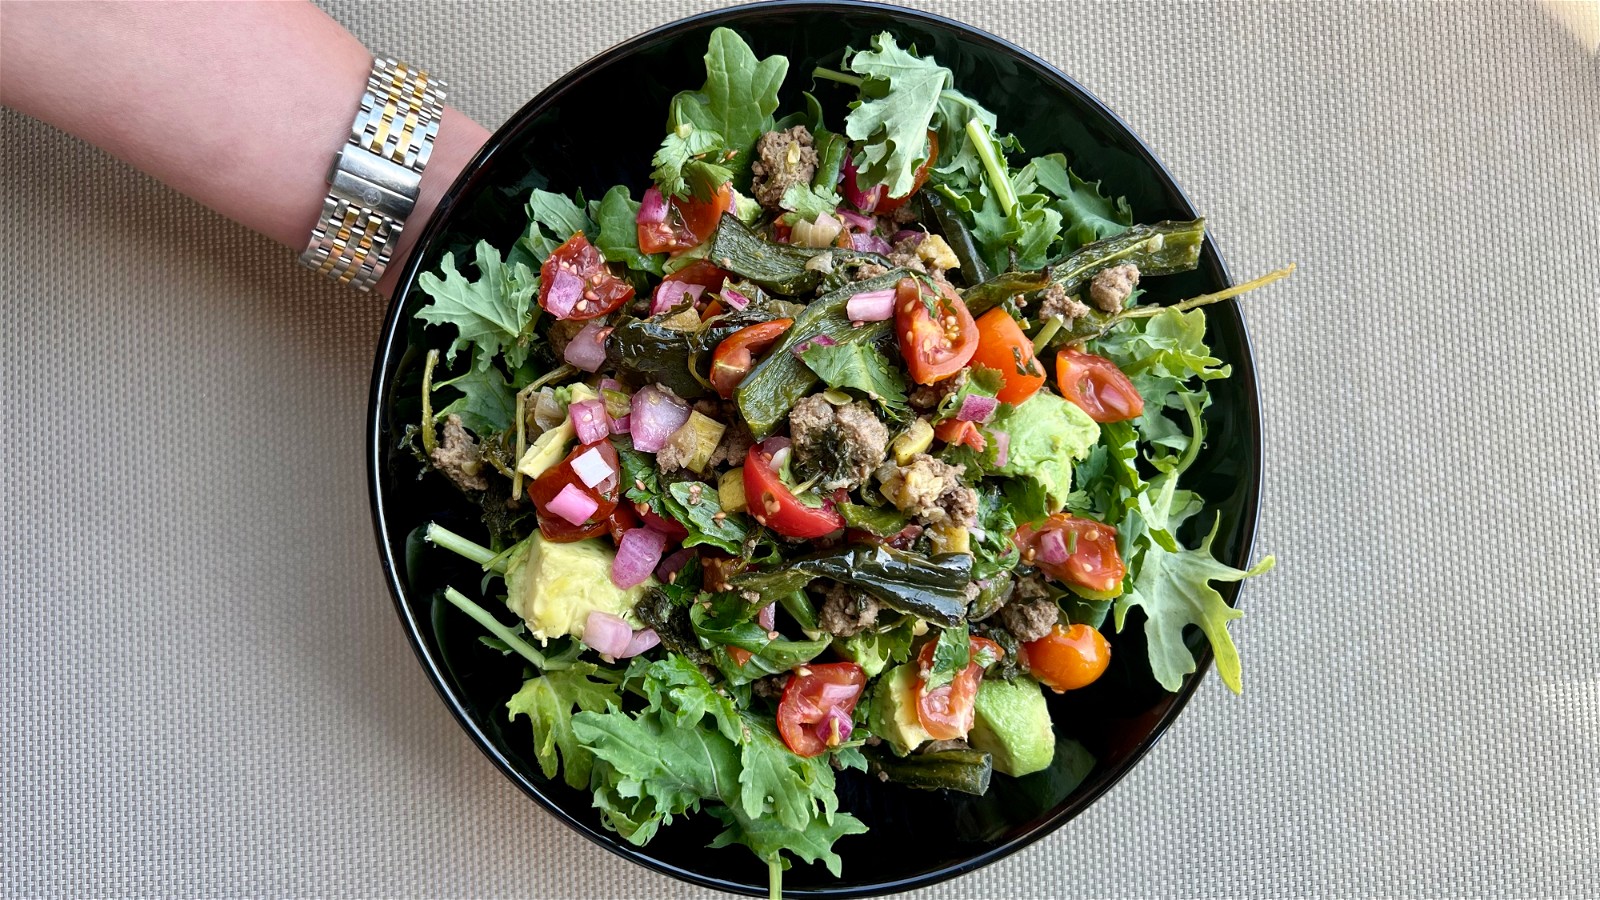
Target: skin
[{"x": 241, "y": 106}]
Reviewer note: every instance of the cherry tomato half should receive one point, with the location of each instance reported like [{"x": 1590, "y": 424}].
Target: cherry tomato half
[
  {"x": 1093, "y": 568},
  {"x": 814, "y": 690},
  {"x": 1068, "y": 658},
  {"x": 621, "y": 520},
  {"x": 736, "y": 355},
  {"x": 776, "y": 507},
  {"x": 956, "y": 433},
  {"x": 947, "y": 711},
  {"x": 1098, "y": 386},
  {"x": 547, "y": 486},
  {"x": 689, "y": 222},
  {"x": 890, "y": 204},
  {"x": 1003, "y": 347},
  {"x": 936, "y": 333},
  {"x": 577, "y": 258}
]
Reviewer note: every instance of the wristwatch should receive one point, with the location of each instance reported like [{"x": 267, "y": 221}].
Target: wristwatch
[{"x": 377, "y": 175}]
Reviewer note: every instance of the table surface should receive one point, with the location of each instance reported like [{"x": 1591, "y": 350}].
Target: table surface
[{"x": 210, "y": 693}]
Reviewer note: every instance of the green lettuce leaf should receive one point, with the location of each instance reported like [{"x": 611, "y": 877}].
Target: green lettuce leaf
[
  {"x": 1086, "y": 214},
  {"x": 548, "y": 701},
  {"x": 487, "y": 404},
  {"x": 710, "y": 132},
  {"x": 552, "y": 219},
  {"x": 951, "y": 653},
  {"x": 491, "y": 312}
]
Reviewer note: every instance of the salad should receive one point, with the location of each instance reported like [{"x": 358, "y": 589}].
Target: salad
[{"x": 834, "y": 448}]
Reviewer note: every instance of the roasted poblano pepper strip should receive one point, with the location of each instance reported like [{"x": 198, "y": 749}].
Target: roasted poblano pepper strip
[
  {"x": 986, "y": 296},
  {"x": 950, "y": 226},
  {"x": 932, "y": 588},
  {"x": 781, "y": 380},
  {"x": 780, "y": 268},
  {"x": 967, "y": 771},
  {"x": 649, "y": 351}
]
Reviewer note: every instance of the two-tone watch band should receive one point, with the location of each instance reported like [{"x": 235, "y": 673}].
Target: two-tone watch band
[{"x": 377, "y": 175}]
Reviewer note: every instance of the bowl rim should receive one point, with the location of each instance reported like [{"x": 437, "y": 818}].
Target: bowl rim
[{"x": 392, "y": 346}]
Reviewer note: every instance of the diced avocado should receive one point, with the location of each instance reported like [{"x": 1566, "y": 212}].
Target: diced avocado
[
  {"x": 554, "y": 587},
  {"x": 551, "y": 447},
  {"x": 915, "y": 439},
  {"x": 1013, "y": 726},
  {"x": 730, "y": 491},
  {"x": 894, "y": 710},
  {"x": 950, "y": 537}
]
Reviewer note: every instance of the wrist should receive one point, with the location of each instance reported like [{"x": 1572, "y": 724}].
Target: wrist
[{"x": 458, "y": 141}]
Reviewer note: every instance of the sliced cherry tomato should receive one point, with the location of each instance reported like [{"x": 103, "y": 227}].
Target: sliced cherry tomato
[
  {"x": 547, "y": 486},
  {"x": 602, "y": 291},
  {"x": 1003, "y": 347},
  {"x": 712, "y": 310},
  {"x": 717, "y": 569},
  {"x": 947, "y": 711},
  {"x": 815, "y": 690},
  {"x": 702, "y": 272},
  {"x": 1098, "y": 386},
  {"x": 956, "y": 432},
  {"x": 776, "y": 507},
  {"x": 689, "y": 222},
  {"x": 739, "y": 655},
  {"x": 736, "y": 355},
  {"x": 621, "y": 520},
  {"x": 890, "y": 204},
  {"x": 1068, "y": 658},
  {"x": 1093, "y": 568},
  {"x": 936, "y": 333}
]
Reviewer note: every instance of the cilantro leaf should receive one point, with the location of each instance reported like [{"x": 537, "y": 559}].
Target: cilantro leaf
[
  {"x": 994, "y": 552},
  {"x": 490, "y": 312},
  {"x": 682, "y": 154},
  {"x": 951, "y": 653},
  {"x": 862, "y": 367},
  {"x": 617, "y": 234},
  {"x": 548, "y": 701},
  {"x": 899, "y": 96},
  {"x": 1173, "y": 587},
  {"x": 487, "y": 404},
  {"x": 977, "y": 380},
  {"x": 875, "y": 651},
  {"x": 807, "y": 202}
]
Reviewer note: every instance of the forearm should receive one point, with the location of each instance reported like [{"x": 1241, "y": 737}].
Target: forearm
[{"x": 241, "y": 106}]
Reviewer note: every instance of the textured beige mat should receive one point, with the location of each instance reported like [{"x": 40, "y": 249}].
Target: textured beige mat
[{"x": 207, "y": 692}]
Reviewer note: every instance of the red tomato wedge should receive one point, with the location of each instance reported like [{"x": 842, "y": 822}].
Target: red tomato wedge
[
  {"x": 689, "y": 222},
  {"x": 574, "y": 282},
  {"x": 1098, "y": 386},
  {"x": 890, "y": 204},
  {"x": 548, "y": 486},
  {"x": 936, "y": 333},
  {"x": 814, "y": 691},
  {"x": 1079, "y": 553},
  {"x": 947, "y": 712},
  {"x": 956, "y": 433},
  {"x": 736, "y": 355},
  {"x": 775, "y": 506}
]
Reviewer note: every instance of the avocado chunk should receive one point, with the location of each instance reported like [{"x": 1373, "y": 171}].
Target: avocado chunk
[
  {"x": 1013, "y": 726},
  {"x": 551, "y": 447},
  {"x": 894, "y": 710},
  {"x": 554, "y": 587}
]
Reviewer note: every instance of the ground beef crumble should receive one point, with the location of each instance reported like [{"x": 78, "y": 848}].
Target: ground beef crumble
[
  {"x": 930, "y": 489},
  {"x": 845, "y": 612},
  {"x": 845, "y": 443},
  {"x": 1029, "y": 613},
  {"x": 458, "y": 457},
  {"x": 1055, "y": 302},
  {"x": 783, "y": 159},
  {"x": 1112, "y": 287}
]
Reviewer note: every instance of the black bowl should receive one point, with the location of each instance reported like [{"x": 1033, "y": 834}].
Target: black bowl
[{"x": 597, "y": 127}]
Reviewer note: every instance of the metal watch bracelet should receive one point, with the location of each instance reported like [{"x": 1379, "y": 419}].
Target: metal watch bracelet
[{"x": 377, "y": 175}]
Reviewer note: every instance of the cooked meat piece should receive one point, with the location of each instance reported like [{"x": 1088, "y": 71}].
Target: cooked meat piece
[
  {"x": 839, "y": 445},
  {"x": 905, "y": 214},
  {"x": 929, "y": 489},
  {"x": 1031, "y": 620},
  {"x": 1112, "y": 286},
  {"x": 846, "y": 612},
  {"x": 457, "y": 456},
  {"x": 736, "y": 443},
  {"x": 1029, "y": 588},
  {"x": 562, "y": 331},
  {"x": 783, "y": 159},
  {"x": 770, "y": 687},
  {"x": 905, "y": 254},
  {"x": 927, "y": 397},
  {"x": 1055, "y": 302},
  {"x": 868, "y": 270}
]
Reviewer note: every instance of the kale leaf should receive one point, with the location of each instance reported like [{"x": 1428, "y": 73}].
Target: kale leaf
[
  {"x": 491, "y": 312},
  {"x": 548, "y": 700}
]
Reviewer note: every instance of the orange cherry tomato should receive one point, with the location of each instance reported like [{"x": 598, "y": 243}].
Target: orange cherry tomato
[
  {"x": 736, "y": 355},
  {"x": 1098, "y": 386},
  {"x": 1003, "y": 347},
  {"x": 936, "y": 333},
  {"x": 1092, "y": 567},
  {"x": 1068, "y": 658},
  {"x": 890, "y": 204},
  {"x": 956, "y": 432},
  {"x": 815, "y": 690},
  {"x": 689, "y": 222},
  {"x": 947, "y": 711}
]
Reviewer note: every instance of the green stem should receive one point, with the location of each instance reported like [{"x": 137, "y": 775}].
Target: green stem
[
  {"x": 558, "y": 373},
  {"x": 1144, "y": 312},
  {"x": 1042, "y": 339},
  {"x": 455, "y": 543},
  {"x": 1191, "y": 405},
  {"x": 483, "y": 617},
  {"x": 430, "y": 440},
  {"x": 775, "y": 877},
  {"x": 831, "y": 75},
  {"x": 999, "y": 178}
]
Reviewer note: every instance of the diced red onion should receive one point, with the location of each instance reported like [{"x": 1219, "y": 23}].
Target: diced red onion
[
  {"x": 607, "y": 634},
  {"x": 734, "y": 299},
  {"x": 622, "y": 424},
  {"x": 587, "y": 349},
  {"x": 768, "y": 617},
  {"x": 668, "y": 527},
  {"x": 835, "y": 727},
  {"x": 656, "y": 414},
  {"x": 872, "y": 306},
  {"x": 638, "y": 554},
  {"x": 573, "y": 505},
  {"x": 866, "y": 201},
  {"x": 611, "y": 384},
  {"x": 566, "y": 289},
  {"x": 977, "y": 408},
  {"x": 671, "y": 294},
  {"x": 592, "y": 468},
  {"x": 1053, "y": 547},
  {"x": 820, "y": 340},
  {"x": 1002, "y": 446},
  {"x": 779, "y": 458},
  {"x": 870, "y": 243},
  {"x": 653, "y": 211},
  {"x": 589, "y": 420},
  {"x": 830, "y": 694},
  {"x": 673, "y": 564},
  {"x": 643, "y": 640},
  {"x": 772, "y": 445},
  {"x": 907, "y": 234},
  {"x": 857, "y": 220}
]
